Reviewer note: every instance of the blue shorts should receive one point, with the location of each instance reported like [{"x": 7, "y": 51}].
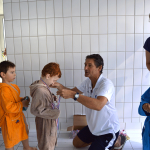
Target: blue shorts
[{"x": 98, "y": 142}]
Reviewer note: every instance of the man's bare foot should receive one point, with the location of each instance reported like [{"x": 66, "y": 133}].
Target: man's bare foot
[{"x": 30, "y": 148}]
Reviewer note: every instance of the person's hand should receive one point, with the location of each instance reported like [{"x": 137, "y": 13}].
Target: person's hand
[
  {"x": 146, "y": 107},
  {"x": 27, "y": 99},
  {"x": 25, "y": 103},
  {"x": 55, "y": 97},
  {"x": 65, "y": 93},
  {"x": 57, "y": 85}
]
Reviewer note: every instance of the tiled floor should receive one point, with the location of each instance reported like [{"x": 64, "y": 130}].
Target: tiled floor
[{"x": 65, "y": 142}]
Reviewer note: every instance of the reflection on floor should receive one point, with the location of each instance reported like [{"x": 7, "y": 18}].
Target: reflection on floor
[{"x": 65, "y": 142}]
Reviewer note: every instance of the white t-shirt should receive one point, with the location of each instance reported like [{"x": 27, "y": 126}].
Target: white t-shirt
[{"x": 106, "y": 120}]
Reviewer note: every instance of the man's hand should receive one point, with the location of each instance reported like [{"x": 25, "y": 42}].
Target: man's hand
[
  {"x": 57, "y": 85},
  {"x": 55, "y": 98},
  {"x": 146, "y": 107},
  {"x": 65, "y": 93}
]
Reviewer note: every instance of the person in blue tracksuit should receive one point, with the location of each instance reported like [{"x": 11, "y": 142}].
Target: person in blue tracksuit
[{"x": 144, "y": 110}]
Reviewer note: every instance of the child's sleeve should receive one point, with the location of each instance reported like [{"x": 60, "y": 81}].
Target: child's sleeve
[
  {"x": 40, "y": 109},
  {"x": 8, "y": 103}
]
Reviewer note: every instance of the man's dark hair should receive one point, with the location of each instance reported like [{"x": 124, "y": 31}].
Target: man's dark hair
[
  {"x": 98, "y": 60},
  {"x": 5, "y": 65}
]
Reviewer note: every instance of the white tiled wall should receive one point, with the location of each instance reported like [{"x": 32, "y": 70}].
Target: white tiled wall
[{"x": 65, "y": 31}]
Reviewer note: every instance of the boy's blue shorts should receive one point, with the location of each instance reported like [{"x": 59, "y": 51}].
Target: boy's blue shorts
[{"x": 98, "y": 142}]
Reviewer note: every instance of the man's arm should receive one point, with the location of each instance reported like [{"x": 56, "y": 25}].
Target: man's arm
[
  {"x": 148, "y": 60},
  {"x": 92, "y": 103}
]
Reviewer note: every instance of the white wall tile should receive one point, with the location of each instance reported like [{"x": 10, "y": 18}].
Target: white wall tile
[
  {"x": 66, "y": 8},
  {"x": 85, "y": 43},
  {"x": 68, "y": 61},
  {"x": 58, "y": 8},
  {"x": 129, "y": 24},
  {"x": 20, "y": 78},
  {"x": 19, "y": 63},
  {"x": 50, "y": 26},
  {"x": 129, "y": 7},
  {"x": 17, "y": 28},
  {"x": 102, "y": 7},
  {"x": 139, "y": 7},
  {"x": 93, "y": 25},
  {"x": 112, "y": 62},
  {"x": 67, "y": 26},
  {"x": 22, "y": 91},
  {"x": 129, "y": 60},
  {"x": 10, "y": 46},
  {"x": 28, "y": 79},
  {"x": 11, "y": 58},
  {"x": 43, "y": 60},
  {"x": 42, "y": 44},
  {"x": 138, "y": 24},
  {"x": 49, "y": 9},
  {"x": 34, "y": 44},
  {"x": 144, "y": 60},
  {"x": 27, "y": 61},
  {"x": 120, "y": 77},
  {"x": 41, "y": 9},
  {"x": 7, "y": 11},
  {"x": 128, "y": 94},
  {"x": 24, "y": 10},
  {"x": 94, "y": 43},
  {"x": 51, "y": 57},
  {"x": 127, "y": 110},
  {"x": 104, "y": 56},
  {"x": 119, "y": 108},
  {"x": 70, "y": 110},
  {"x": 35, "y": 61},
  {"x": 8, "y": 27},
  {"x": 36, "y": 75},
  {"x": 121, "y": 7},
  {"x": 103, "y": 42},
  {"x": 77, "y": 77},
  {"x": 50, "y": 44},
  {"x": 15, "y": 11},
  {"x": 146, "y": 24},
  {"x": 147, "y": 5},
  {"x": 129, "y": 42},
  {"x": 111, "y": 42},
  {"x": 111, "y": 7},
  {"x": 120, "y": 42},
  {"x": 137, "y": 76},
  {"x": 120, "y": 24},
  {"x": 69, "y": 77},
  {"x": 120, "y": 60},
  {"x": 145, "y": 77},
  {"x": 105, "y": 73},
  {"x": 75, "y": 7},
  {"x": 63, "y": 109},
  {"x": 60, "y": 60},
  {"x": 32, "y": 10},
  {"x": 41, "y": 27},
  {"x": 85, "y": 28},
  {"x": 68, "y": 43},
  {"x": 128, "y": 77},
  {"x": 7, "y": 1},
  {"x": 111, "y": 24},
  {"x": 25, "y": 27},
  {"x": 76, "y": 43},
  {"x": 62, "y": 81},
  {"x": 59, "y": 44},
  {"x": 77, "y": 61},
  {"x": 85, "y": 8},
  {"x": 138, "y": 60},
  {"x": 138, "y": 42},
  {"x": 33, "y": 27},
  {"x": 76, "y": 25},
  {"x": 58, "y": 26},
  {"x": 112, "y": 76},
  {"x": 134, "y": 110},
  {"x": 18, "y": 46},
  {"x": 78, "y": 108},
  {"x": 94, "y": 8},
  {"x": 136, "y": 94},
  {"x": 120, "y": 94},
  {"x": 103, "y": 25}
]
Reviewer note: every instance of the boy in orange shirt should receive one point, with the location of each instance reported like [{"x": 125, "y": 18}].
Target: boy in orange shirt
[{"x": 12, "y": 120}]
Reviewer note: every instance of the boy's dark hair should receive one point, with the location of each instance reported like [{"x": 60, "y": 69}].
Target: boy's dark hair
[
  {"x": 5, "y": 65},
  {"x": 98, "y": 60}
]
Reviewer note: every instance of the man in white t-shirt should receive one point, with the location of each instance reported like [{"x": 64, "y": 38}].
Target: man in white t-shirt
[{"x": 99, "y": 101}]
